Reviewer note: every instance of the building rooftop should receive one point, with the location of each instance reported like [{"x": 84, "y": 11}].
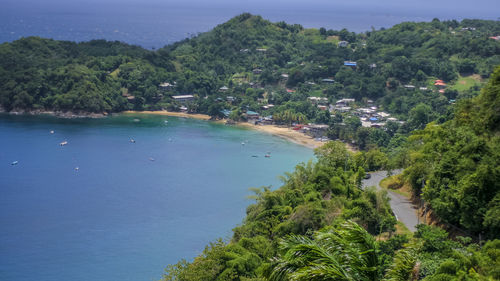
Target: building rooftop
[{"x": 183, "y": 97}]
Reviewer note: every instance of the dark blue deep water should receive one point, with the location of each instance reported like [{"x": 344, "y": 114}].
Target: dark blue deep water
[
  {"x": 156, "y": 23},
  {"x": 122, "y": 216}
]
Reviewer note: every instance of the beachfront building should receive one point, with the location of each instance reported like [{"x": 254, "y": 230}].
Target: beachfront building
[
  {"x": 183, "y": 98},
  {"x": 315, "y": 130},
  {"x": 252, "y": 115}
]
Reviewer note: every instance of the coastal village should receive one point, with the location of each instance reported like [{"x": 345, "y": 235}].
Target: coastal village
[
  {"x": 370, "y": 115},
  {"x": 258, "y": 95}
]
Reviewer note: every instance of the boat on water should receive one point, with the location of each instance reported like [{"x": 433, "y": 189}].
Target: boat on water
[
  {"x": 77, "y": 169},
  {"x": 151, "y": 159},
  {"x": 14, "y": 163},
  {"x": 63, "y": 143},
  {"x": 52, "y": 131},
  {"x": 267, "y": 156},
  {"x": 132, "y": 140}
]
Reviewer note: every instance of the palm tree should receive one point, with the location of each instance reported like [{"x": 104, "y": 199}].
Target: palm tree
[
  {"x": 346, "y": 253},
  {"x": 405, "y": 266}
]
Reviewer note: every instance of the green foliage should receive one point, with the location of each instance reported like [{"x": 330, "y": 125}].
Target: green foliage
[
  {"x": 458, "y": 162},
  {"x": 313, "y": 196},
  {"x": 100, "y": 76},
  {"x": 345, "y": 253}
]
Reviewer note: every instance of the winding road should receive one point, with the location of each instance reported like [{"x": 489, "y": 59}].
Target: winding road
[{"x": 403, "y": 208}]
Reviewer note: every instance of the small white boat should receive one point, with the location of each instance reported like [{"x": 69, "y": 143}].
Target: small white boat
[
  {"x": 132, "y": 140},
  {"x": 77, "y": 169},
  {"x": 14, "y": 163},
  {"x": 52, "y": 131},
  {"x": 267, "y": 156},
  {"x": 151, "y": 159},
  {"x": 136, "y": 120},
  {"x": 242, "y": 143},
  {"x": 63, "y": 143}
]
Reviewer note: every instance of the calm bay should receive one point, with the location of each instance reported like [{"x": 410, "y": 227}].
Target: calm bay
[{"x": 105, "y": 208}]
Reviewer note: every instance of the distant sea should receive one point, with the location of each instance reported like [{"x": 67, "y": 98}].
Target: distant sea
[
  {"x": 130, "y": 209},
  {"x": 156, "y": 23}
]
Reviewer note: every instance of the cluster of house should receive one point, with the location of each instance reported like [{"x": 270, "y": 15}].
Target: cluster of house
[
  {"x": 342, "y": 105},
  {"x": 370, "y": 116},
  {"x": 320, "y": 102}
]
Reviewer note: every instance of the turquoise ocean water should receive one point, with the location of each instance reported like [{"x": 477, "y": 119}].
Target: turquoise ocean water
[{"x": 122, "y": 216}]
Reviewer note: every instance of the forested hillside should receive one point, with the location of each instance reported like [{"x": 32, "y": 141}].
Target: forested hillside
[{"x": 99, "y": 76}]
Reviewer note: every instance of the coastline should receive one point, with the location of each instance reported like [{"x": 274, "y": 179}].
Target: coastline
[
  {"x": 283, "y": 132},
  {"x": 286, "y": 133},
  {"x": 59, "y": 114},
  {"x": 169, "y": 113}
]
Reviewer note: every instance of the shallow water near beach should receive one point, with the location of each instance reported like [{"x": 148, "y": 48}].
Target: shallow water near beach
[{"x": 105, "y": 208}]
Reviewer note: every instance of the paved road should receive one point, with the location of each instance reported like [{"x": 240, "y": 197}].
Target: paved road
[{"x": 402, "y": 207}]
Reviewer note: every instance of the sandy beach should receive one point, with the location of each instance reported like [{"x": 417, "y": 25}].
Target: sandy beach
[
  {"x": 170, "y": 113},
  {"x": 286, "y": 133}
]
